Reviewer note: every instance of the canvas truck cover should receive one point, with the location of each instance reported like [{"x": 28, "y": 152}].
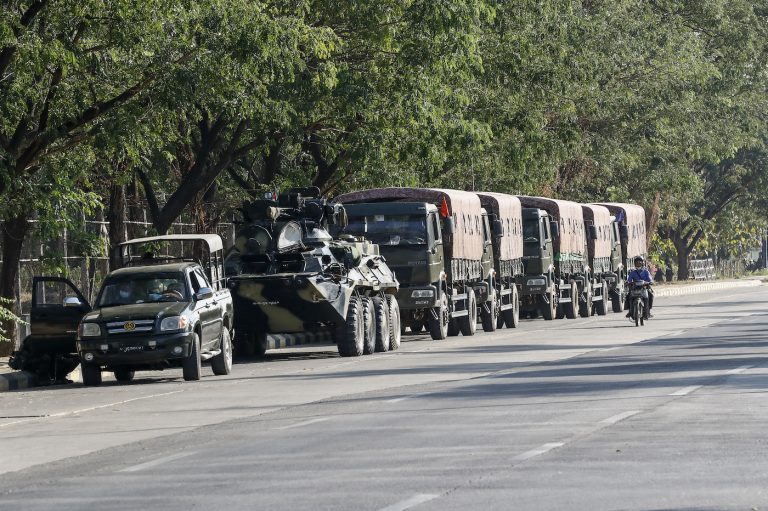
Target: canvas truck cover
[
  {"x": 633, "y": 216},
  {"x": 467, "y": 240},
  {"x": 600, "y": 217},
  {"x": 571, "y": 244},
  {"x": 507, "y": 208}
]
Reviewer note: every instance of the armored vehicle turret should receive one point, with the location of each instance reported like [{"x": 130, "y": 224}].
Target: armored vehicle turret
[{"x": 293, "y": 283}]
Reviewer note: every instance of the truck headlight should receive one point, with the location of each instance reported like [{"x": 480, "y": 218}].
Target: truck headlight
[
  {"x": 90, "y": 330},
  {"x": 537, "y": 282},
  {"x": 422, "y": 293},
  {"x": 173, "y": 323}
]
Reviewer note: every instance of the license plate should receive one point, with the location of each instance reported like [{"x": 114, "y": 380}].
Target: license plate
[{"x": 129, "y": 349}]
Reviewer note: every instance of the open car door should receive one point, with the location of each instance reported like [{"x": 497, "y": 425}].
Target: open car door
[{"x": 57, "y": 308}]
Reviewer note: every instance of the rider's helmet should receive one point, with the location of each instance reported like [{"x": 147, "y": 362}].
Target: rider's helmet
[{"x": 639, "y": 262}]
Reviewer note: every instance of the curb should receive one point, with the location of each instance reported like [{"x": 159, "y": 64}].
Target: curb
[
  {"x": 700, "y": 288},
  {"x": 16, "y": 380}
]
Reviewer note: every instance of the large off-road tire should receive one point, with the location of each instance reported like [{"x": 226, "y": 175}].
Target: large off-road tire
[
  {"x": 395, "y": 331},
  {"x": 350, "y": 338},
  {"x": 468, "y": 324},
  {"x": 91, "y": 374},
  {"x": 123, "y": 375},
  {"x": 601, "y": 307},
  {"x": 511, "y": 317},
  {"x": 438, "y": 328},
  {"x": 222, "y": 363},
  {"x": 381, "y": 316},
  {"x": 490, "y": 317},
  {"x": 192, "y": 366},
  {"x": 585, "y": 302},
  {"x": 617, "y": 301},
  {"x": 369, "y": 339},
  {"x": 569, "y": 308},
  {"x": 549, "y": 310}
]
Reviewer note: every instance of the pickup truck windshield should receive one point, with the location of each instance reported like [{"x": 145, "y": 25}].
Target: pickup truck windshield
[
  {"x": 390, "y": 229},
  {"x": 143, "y": 288}
]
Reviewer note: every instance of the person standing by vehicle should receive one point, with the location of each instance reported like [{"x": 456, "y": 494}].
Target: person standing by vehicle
[{"x": 641, "y": 273}]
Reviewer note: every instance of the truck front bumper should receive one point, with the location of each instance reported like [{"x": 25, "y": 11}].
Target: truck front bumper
[
  {"x": 533, "y": 285},
  {"x": 135, "y": 350},
  {"x": 418, "y": 297}
]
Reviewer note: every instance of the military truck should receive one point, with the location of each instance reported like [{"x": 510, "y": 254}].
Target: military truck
[
  {"x": 629, "y": 229},
  {"x": 294, "y": 284},
  {"x": 439, "y": 244},
  {"x": 507, "y": 226},
  {"x": 557, "y": 280},
  {"x": 603, "y": 256}
]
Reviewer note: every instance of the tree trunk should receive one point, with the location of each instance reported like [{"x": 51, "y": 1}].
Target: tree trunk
[
  {"x": 682, "y": 257},
  {"x": 14, "y": 232},
  {"x": 116, "y": 227}
]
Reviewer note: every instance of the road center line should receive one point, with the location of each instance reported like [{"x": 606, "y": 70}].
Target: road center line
[
  {"x": 411, "y": 396},
  {"x": 738, "y": 370},
  {"x": 538, "y": 451},
  {"x": 686, "y": 390},
  {"x": 158, "y": 461},
  {"x": 304, "y": 423},
  {"x": 610, "y": 349},
  {"x": 619, "y": 417},
  {"x": 409, "y": 503}
]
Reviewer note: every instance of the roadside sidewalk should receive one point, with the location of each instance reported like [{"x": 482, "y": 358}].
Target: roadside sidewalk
[{"x": 14, "y": 380}]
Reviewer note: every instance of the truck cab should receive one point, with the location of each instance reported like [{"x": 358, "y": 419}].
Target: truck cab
[{"x": 537, "y": 286}]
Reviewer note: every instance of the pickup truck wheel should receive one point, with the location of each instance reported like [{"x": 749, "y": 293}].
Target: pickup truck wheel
[
  {"x": 123, "y": 375},
  {"x": 438, "y": 328},
  {"x": 91, "y": 374},
  {"x": 191, "y": 366},
  {"x": 222, "y": 363},
  {"x": 381, "y": 314},
  {"x": 511, "y": 316},
  {"x": 369, "y": 339},
  {"x": 490, "y": 317},
  {"x": 468, "y": 323},
  {"x": 350, "y": 337},
  {"x": 395, "y": 322},
  {"x": 601, "y": 307}
]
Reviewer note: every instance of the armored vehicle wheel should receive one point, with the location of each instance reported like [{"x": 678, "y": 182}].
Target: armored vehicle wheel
[
  {"x": 489, "y": 314},
  {"x": 369, "y": 339},
  {"x": 585, "y": 302},
  {"x": 351, "y": 335},
  {"x": 191, "y": 367},
  {"x": 381, "y": 315},
  {"x": 438, "y": 328},
  {"x": 549, "y": 310},
  {"x": 511, "y": 316},
  {"x": 222, "y": 363},
  {"x": 468, "y": 323},
  {"x": 123, "y": 375},
  {"x": 601, "y": 307},
  {"x": 91, "y": 374},
  {"x": 393, "y": 310},
  {"x": 616, "y": 300},
  {"x": 569, "y": 308}
]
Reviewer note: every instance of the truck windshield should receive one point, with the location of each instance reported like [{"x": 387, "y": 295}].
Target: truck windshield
[
  {"x": 531, "y": 231},
  {"x": 390, "y": 229},
  {"x": 143, "y": 288}
]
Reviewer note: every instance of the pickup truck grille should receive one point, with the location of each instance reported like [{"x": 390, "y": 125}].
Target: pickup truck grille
[{"x": 130, "y": 326}]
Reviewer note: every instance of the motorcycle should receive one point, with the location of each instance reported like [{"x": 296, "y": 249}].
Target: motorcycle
[{"x": 637, "y": 310}]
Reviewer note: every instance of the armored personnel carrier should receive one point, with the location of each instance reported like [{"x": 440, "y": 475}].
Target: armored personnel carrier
[{"x": 293, "y": 283}]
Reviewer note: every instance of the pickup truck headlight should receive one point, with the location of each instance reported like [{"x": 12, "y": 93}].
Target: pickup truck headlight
[
  {"x": 537, "y": 282},
  {"x": 90, "y": 330},
  {"x": 423, "y": 293},
  {"x": 173, "y": 323}
]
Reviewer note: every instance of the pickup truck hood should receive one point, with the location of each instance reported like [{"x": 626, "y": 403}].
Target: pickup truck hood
[{"x": 140, "y": 311}]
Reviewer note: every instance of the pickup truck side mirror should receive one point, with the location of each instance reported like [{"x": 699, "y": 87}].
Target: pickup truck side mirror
[
  {"x": 592, "y": 232},
  {"x": 498, "y": 228},
  {"x": 554, "y": 227},
  {"x": 624, "y": 232},
  {"x": 204, "y": 293},
  {"x": 72, "y": 301}
]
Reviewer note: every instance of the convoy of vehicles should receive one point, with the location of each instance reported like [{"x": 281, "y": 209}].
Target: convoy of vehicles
[{"x": 304, "y": 270}]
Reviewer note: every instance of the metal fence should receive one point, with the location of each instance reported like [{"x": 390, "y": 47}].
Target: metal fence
[{"x": 702, "y": 269}]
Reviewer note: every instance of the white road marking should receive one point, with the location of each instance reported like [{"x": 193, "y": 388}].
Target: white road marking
[
  {"x": 304, "y": 423},
  {"x": 411, "y": 396},
  {"x": 158, "y": 461},
  {"x": 610, "y": 349},
  {"x": 409, "y": 503},
  {"x": 619, "y": 417},
  {"x": 675, "y": 333},
  {"x": 538, "y": 451},
  {"x": 686, "y": 390},
  {"x": 738, "y": 370}
]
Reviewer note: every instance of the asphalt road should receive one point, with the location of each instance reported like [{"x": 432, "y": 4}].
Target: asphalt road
[{"x": 574, "y": 414}]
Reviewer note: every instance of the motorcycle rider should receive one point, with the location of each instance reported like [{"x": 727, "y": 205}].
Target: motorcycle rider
[{"x": 641, "y": 273}]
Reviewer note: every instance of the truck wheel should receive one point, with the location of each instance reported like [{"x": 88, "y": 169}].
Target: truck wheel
[
  {"x": 369, "y": 320},
  {"x": 490, "y": 317},
  {"x": 468, "y": 323},
  {"x": 191, "y": 366},
  {"x": 438, "y": 328},
  {"x": 395, "y": 322},
  {"x": 569, "y": 308},
  {"x": 381, "y": 315},
  {"x": 122, "y": 374},
  {"x": 245, "y": 344},
  {"x": 601, "y": 307},
  {"x": 91, "y": 374},
  {"x": 350, "y": 338},
  {"x": 222, "y": 363},
  {"x": 617, "y": 302},
  {"x": 585, "y": 303},
  {"x": 417, "y": 326},
  {"x": 549, "y": 310},
  {"x": 511, "y": 316}
]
